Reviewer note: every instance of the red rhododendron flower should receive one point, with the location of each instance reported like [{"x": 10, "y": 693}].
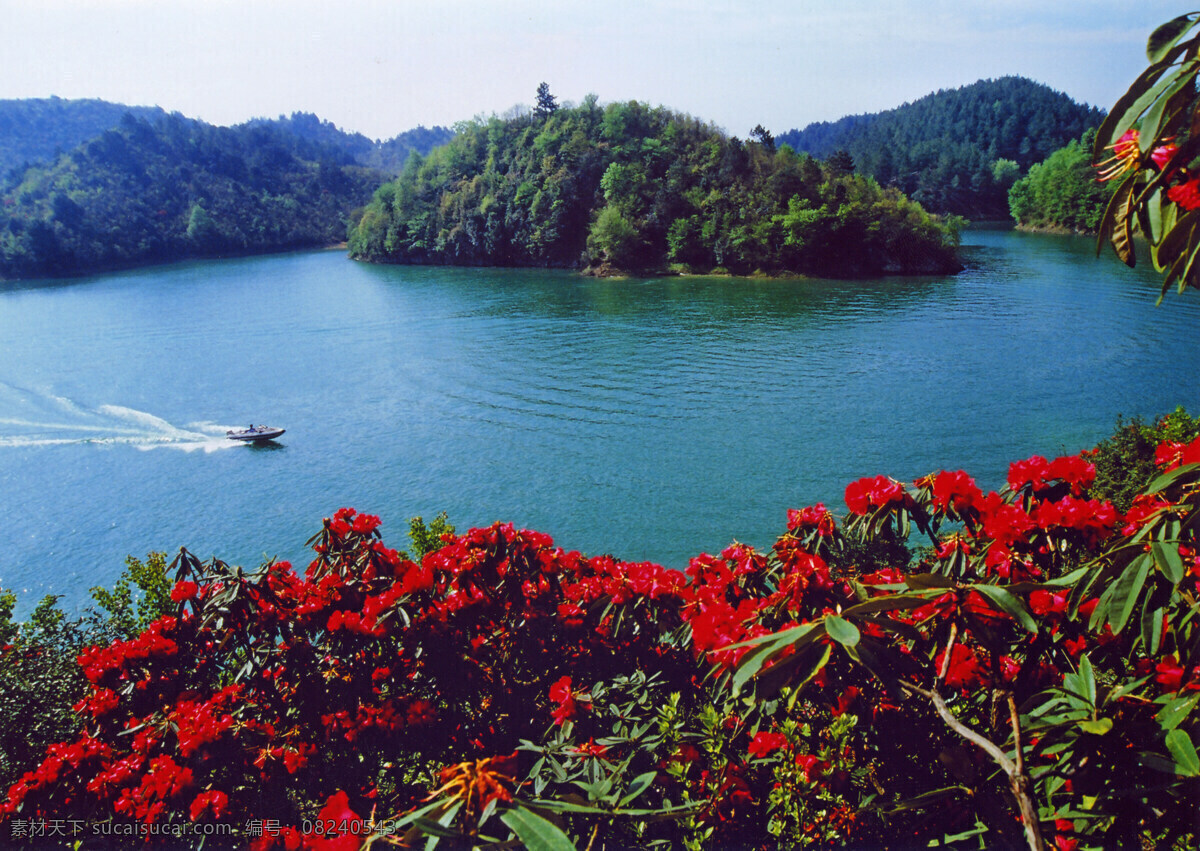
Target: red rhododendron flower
[
  {"x": 1186, "y": 194},
  {"x": 966, "y": 669},
  {"x": 955, "y": 491},
  {"x": 561, "y": 694},
  {"x": 212, "y": 801},
  {"x": 1170, "y": 455},
  {"x": 764, "y": 743},
  {"x": 344, "y": 829},
  {"x": 813, "y": 767},
  {"x": 1161, "y": 155},
  {"x": 591, "y": 749},
  {"x": 815, "y": 516},
  {"x": 877, "y": 492},
  {"x": 184, "y": 591}
]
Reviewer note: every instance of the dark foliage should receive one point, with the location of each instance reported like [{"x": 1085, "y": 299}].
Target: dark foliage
[
  {"x": 942, "y": 149},
  {"x": 1125, "y": 462}
]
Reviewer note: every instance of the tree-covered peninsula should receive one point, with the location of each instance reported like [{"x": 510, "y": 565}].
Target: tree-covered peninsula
[
  {"x": 956, "y": 150},
  {"x": 151, "y": 192},
  {"x": 1062, "y": 193},
  {"x": 629, "y": 187}
]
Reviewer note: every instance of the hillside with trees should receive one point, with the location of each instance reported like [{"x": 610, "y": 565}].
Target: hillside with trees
[
  {"x": 956, "y": 150},
  {"x": 150, "y": 192},
  {"x": 386, "y": 156},
  {"x": 37, "y": 130},
  {"x": 632, "y": 187}
]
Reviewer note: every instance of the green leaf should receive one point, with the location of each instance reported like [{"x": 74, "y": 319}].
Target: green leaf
[
  {"x": 1148, "y": 136},
  {"x": 769, "y": 645},
  {"x": 1168, "y": 560},
  {"x": 1179, "y": 743},
  {"x": 841, "y": 630},
  {"x": 886, "y": 603},
  {"x": 1122, "y": 235},
  {"x": 921, "y": 581},
  {"x": 1008, "y": 604},
  {"x": 1177, "y": 711},
  {"x": 639, "y": 785},
  {"x": 1084, "y": 680},
  {"x": 535, "y": 832},
  {"x": 1166, "y": 37},
  {"x": 1152, "y": 620},
  {"x": 1098, "y": 727},
  {"x": 1125, "y": 592},
  {"x": 1108, "y": 220}
]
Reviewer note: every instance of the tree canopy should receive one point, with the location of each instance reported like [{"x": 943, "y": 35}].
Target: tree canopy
[
  {"x": 147, "y": 192},
  {"x": 942, "y": 149},
  {"x": 632, "y": 187}
]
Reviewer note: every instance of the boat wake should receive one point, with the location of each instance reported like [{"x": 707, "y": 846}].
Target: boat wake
[{"x": 30, "y": 418}]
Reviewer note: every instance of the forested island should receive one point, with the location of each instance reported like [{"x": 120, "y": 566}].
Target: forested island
[{"x": 630, "y": 187}]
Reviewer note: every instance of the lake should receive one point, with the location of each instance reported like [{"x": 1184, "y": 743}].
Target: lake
[{"x": 652, "y": 419}]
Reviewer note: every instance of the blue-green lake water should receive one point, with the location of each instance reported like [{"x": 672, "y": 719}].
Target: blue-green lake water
[{"x": 652, "y": 419}]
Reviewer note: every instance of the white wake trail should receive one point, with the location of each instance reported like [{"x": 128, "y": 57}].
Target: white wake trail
[{"x": 47, "y": 419}]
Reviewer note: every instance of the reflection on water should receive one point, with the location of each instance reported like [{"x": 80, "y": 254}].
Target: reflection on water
[{"x": 650, "y": 418}]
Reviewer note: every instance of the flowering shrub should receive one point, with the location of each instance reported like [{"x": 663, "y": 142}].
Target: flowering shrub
[{"x": 1011, "y": 667}]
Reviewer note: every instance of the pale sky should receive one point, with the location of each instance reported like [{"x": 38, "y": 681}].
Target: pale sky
[{"x": 380, "y": 67}]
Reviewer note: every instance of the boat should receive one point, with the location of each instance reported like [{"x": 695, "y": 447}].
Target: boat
[{"x": 254, "y": 434}]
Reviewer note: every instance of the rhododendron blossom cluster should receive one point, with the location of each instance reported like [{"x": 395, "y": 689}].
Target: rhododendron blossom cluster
[{"x": 489, "y": 681}]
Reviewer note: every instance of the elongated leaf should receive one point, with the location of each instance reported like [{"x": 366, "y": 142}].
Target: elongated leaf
[
  {"x": 921, "y": 581},
  {"x": 1125, "y": 592},
  {"x": 1168, "y": 560},
  {"x": 1167, "y": 479},
  {"x": 798, "y": 631},
  {"x": 1181, "y": 79},
  {"x": 1121, "y": 110},
  {"x": 1165, "y": 75},
  {"x": 889, "y": 603},
  {"x": 535, "y": 832},
  {"x": 1152, "y": 621},
  {"x": 753, "y": 661},
  {"x": 1010, "y": 605},
  {"x": 1177, "y": 238},
  {"x": 841, "y": 630},
  {"x": 639, "y": 785},
  {"x": 1122, "y": 236},
  {"x": 796, "y": 671},
  {"x": 1179, "y": 743},
  {"x": 1166, "y": 37},
  {"x": 1098, "y": 727},
  {"x": 1087, "y": 678},
  {"x": 1177, "y": 711},
  {"x": 1109, "y": 220}
]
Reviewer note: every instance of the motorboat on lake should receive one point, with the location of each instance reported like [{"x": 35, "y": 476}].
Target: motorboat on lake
[{"x": 254, "y": 434}]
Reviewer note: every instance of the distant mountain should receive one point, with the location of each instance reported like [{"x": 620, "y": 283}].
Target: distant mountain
[
  {"x": 36, "y": 130},
  {"x": 956, "y": 150},
  {"x": 147, "y": 192},
  {"x": 387, "y": 156}
]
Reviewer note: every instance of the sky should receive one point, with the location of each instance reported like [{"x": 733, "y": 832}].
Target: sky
[{"x": 381, "y": 67}]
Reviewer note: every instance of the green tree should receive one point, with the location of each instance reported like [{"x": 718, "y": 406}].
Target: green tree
[{"x": 547, "y": 104}]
